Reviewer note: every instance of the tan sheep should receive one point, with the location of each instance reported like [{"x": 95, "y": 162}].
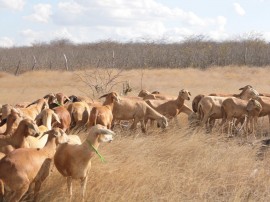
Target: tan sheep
[
  {"x": 209, "y": 108},
  {"x": 18, "y": 139},
  {"x": 34, "y": 108},
  {"x": 73, "y": 161},
  {"x": 265, "y": 102},
  {"x": 138, "y": 111},
  {"x": 79, "y": 112},
  {"x": 45, "y": 117},
  {"x": 254, "y": 109},
  {"x": 146, "y": 95},
  {"x": 170, "y": 108},
  {"x": 12, "y": 121},
  {"x": 103, "y": 114},
  {"x": 25, "y": 166},
  {"x": 236, "y": 108}
]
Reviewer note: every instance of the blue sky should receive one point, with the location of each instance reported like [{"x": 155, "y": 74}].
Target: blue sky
[{"x": 24, "y": 22}]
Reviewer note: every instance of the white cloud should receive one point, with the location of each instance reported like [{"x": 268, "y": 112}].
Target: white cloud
[
  {"x": 128, "y": 20},
  {"x": 12, "y": 4},
  {"x": 239, "y": 9},
  {"x": 42, "y": 13},
  {"x": 6, "y": 42},
  {"x": 30, "y": 36}
]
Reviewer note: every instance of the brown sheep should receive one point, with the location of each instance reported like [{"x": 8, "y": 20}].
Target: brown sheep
[
  {"x": 138, "y": 111},
  {"x": 18, "y": 139},
  {"x": 235, "y": 108},
  {"x": 34, "y": 108},
  {"x": 73, "y": 161},
  {"x": 12, "y": 121},
  {"x": 170, "y": 108},
  {"x": 209, "y": 108},
  {"x": 25, "y": 166},
  {"x": 79, "y": 112},
  {"x": 254, "y": 109},
  {"x": 64, "y": 116}
]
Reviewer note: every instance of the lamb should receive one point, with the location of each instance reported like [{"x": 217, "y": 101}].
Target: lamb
[
  {"x": 73, "y": 161},
  {"x": 139, "y": 111},
  {"x": 25, "y": 166},
  {"x": 103, "y": 114},
  {"x": 18, "y": 139}
]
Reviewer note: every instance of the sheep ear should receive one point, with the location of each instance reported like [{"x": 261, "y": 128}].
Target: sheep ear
[{"x": 103, "y": 96}]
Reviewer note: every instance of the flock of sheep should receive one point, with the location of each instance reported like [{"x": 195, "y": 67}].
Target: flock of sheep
[{"x": 35, "y": 136}]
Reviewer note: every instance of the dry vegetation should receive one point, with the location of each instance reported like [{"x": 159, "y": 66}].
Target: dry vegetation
[
  {"x": 175, "y": 165},
  {"x": 196, "y": 51}
]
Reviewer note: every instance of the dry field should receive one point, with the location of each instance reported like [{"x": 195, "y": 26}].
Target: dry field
[{"x": 175, "y": 165}]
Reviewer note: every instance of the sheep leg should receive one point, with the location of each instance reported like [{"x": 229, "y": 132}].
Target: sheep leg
[
  {"x": 134, "y": 124},
  {"x": 83, "y": 186},
  {"x": 69, "y": 186},
  {"x": 211, "y": 124},
  {"x": 143, "y": 127}
]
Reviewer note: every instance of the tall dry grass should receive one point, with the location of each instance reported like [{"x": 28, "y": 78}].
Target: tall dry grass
[{"x": 176, "y": 165}]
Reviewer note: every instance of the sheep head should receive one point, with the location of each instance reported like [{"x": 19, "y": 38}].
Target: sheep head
[
  {"x": 162, "y": 122},
  {"x": 59, "y": 134},
  {"x": 143, "y": 93},
  {"x": 110, "y": 97},
  {"x": 28, "y": 127},
  {"x": 100, "y": 134},
  {"x": 254, "y": 104},
  {"x": 184, "y": 94}
]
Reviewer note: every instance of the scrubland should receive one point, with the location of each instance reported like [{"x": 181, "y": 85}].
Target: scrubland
[{"x": 178, "y": 164}]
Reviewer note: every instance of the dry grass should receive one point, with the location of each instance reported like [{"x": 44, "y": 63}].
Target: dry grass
[{"x": 175, "y": 165}]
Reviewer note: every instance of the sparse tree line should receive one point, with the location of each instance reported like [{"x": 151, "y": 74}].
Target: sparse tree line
[{"x": 196, "y": 52}]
